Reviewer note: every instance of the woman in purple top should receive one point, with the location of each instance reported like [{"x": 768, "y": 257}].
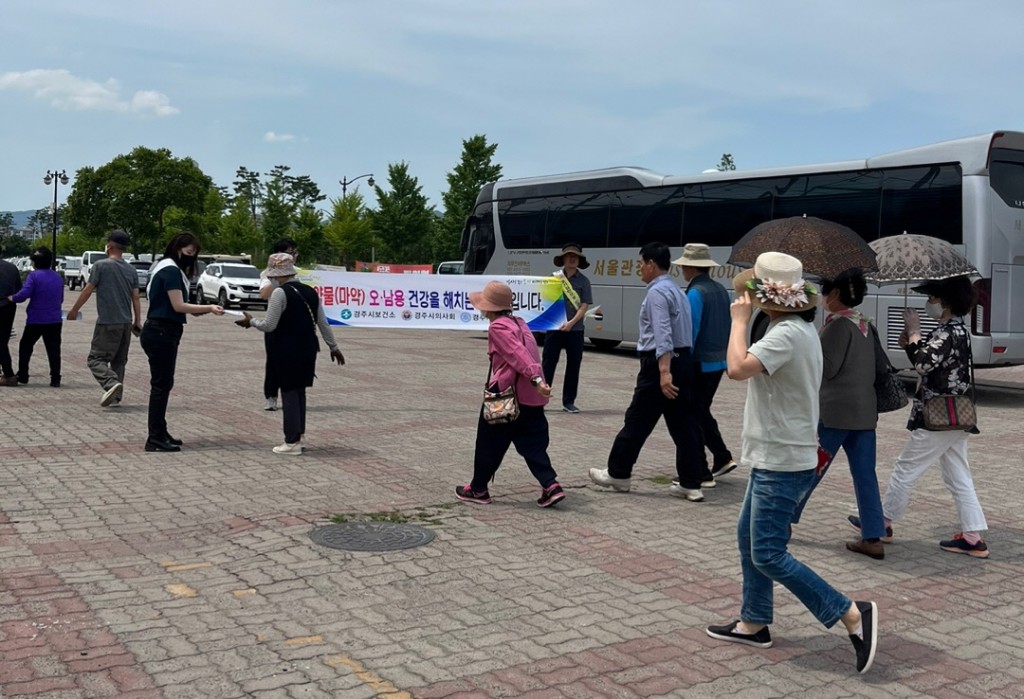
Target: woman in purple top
[
  {"x": 514, "y": 361},
  {"x": 45, "y": 291}
]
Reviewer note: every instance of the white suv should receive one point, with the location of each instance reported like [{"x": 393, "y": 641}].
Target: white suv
[{"x": 227, "y": 283}]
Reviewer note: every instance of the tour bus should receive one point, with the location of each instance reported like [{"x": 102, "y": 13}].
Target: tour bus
[{"x": 969, "y": 192}]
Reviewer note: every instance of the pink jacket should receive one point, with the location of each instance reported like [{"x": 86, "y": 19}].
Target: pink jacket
[{"x": 514, "y": 357}]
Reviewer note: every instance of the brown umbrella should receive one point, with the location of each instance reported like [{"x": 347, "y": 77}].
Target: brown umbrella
[
  {"x": 917, "y": 258},
  {"x": 826, "y": 249}
]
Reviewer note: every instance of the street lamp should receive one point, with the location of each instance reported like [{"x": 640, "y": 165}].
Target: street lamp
[
  {"x": 55, "y": 178},
  {"x": 346, "y": 182}
]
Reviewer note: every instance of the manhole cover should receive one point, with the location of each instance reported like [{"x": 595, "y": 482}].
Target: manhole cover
[{"x": 371, "y": 536}]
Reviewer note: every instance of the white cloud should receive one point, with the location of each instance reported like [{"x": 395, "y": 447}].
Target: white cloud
[
  {"x": 271, "y": 137},
  {"x": 68, "y": 92}
]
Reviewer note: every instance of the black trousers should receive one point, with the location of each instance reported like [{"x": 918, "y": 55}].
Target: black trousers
[
  {"x": 270, "y": 386},
  {"x": 572, "y": 342},
  {"x": 529, "y": 434},
  {"x": 293, "y": 408},
  {"x": 681, "y": 417},
  {"x": 50, "y": 332},
  {"x": 705, "y": 386},
  {"x": 160, "y": 340},
  {"x": 6, "y": 326}
]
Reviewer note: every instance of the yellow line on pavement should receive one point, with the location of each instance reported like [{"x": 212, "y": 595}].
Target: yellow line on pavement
[{"x": 381, "y": 687}]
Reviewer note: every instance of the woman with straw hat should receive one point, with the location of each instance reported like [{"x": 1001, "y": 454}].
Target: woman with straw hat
[{"x": 780, "y": 446}]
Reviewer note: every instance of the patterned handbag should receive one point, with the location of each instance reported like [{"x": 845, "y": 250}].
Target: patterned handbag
[
  {"x": 501, "y": 406},
  {"x": 889, "y": 391},
  {"x": 942, "y": 413},
  {"x": 949, "y": 412}
]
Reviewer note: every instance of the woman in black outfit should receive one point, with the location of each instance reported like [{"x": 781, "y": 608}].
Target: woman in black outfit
[
  {"x": 167, "y": 293},
  {"x": 294, "y": 315}
]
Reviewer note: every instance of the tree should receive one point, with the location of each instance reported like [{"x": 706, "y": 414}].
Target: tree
[
  {"x": 14, "y": 246},
  {"x": 40, "y": 222},
  {"x": 349, "y": 230},
  {"x": 474, "y": 170},
  {"x": 135, "y": 192},
  {"x": 6, "y": 224},
  {"x": 726, "y": 163},
  {"x": 403, "y": 225}
]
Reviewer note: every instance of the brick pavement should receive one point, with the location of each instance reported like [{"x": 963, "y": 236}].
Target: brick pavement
[{"x": 192, "y": 575}]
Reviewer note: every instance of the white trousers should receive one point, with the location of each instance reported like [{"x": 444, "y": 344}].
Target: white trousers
[{"x": 925, "y": 448}]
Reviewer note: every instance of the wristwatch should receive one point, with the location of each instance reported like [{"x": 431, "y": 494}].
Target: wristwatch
[{"x": 536, "y": 380}]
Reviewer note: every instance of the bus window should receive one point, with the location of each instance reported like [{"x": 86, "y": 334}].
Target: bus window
[
  {"x": 647, "y": 216},
  {"x": 581, "y": 219},
  {"x": 719, "y": 214},
  {"x": 1006, "y": 177},
  {"x": 851, "y": 199},
  {"x": 926, "y": 200},
  {"x": 522, "y": 222}
]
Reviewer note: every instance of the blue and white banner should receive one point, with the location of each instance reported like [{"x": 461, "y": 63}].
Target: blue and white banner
[{"x": 429, "y": 301}]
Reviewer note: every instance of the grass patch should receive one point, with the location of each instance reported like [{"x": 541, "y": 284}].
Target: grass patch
[
  {"x": 661, "y": 480},
  {"x": 423, "y": 515}
]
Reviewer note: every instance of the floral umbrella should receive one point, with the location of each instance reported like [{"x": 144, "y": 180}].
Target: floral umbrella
[
  {"x": 825, "y": 249},
  {"x": 917, "y": 258}
]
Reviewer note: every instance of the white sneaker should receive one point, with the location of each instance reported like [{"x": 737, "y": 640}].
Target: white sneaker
[
  {"x": 290, "y": 449},
  {"x": 271, "y": 404},
  {"x": 691, "y": 494},
  {"x": 703, "y": 484},
  {"x": 112, "y": 394},
  {"x": 601, "y": 477}
]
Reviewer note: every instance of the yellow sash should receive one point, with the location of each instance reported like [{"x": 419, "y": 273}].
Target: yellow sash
[{"x": 569, "y": 292}]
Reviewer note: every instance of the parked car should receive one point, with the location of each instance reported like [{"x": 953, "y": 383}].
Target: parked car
[
  {"x": 73, "y": 273},
  {"x": 227, "y": 283},
  {"x": 193, "y": 283},
  {"x": 450, "y": 267},
  {"x": 142, "y": 269}
]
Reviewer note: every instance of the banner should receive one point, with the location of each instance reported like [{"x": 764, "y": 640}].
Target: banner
[
  {"x": 429, "y": 301},
  {"x": 392, "y": 269}
]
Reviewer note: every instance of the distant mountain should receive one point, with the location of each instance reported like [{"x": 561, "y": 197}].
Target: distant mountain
[{"x": 21, "y": 217}]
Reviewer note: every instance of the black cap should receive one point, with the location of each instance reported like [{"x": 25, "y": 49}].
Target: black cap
[{"x": 119, "y": 238}]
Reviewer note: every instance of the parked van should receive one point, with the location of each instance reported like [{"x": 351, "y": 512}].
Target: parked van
[{"x": 450, "y": 267}]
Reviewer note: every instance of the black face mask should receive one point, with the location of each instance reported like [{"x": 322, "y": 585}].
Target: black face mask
[{"x": 186, "y": 261}]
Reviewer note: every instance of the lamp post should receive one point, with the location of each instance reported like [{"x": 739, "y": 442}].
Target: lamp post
[
  {"x": 55, "y": 178},
  {"x": 346, "y": 182}
]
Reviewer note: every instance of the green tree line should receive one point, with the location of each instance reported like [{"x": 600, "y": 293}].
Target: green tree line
[{"x": 152, "y": 195}]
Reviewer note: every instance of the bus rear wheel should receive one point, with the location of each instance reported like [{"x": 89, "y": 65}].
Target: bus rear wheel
[{"x": 605, "y": 345}]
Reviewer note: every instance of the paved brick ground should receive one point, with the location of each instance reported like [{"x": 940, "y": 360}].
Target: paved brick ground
[{"x": 192, "y": 575}]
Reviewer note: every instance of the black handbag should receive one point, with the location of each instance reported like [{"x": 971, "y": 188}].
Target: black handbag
[{"x": 890, "y": 394}]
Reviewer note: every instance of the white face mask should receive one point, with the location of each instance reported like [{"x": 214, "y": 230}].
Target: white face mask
[{"x": 934, "y": 310}]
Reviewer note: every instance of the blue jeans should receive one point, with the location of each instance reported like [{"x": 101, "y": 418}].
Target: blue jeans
[
  {"x": 859, "y": 446},
  {"x": 762, "y": 533}
]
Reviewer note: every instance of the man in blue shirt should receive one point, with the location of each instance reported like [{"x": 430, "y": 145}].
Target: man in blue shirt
[
  {"x": 664, "y": 386},
  {"x": 709, "y": 310}
]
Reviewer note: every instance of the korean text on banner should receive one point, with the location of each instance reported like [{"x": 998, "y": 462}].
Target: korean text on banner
[{"x": 429, "y": 301}]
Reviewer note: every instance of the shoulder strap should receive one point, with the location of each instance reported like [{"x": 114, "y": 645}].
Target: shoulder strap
[{"x": 295, "y": 293}]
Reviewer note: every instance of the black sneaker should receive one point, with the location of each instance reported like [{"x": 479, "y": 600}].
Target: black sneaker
[
  {"x": 722, "y": 469},
  {"x": 727, "y": 632},
  {"x": 551, "y": 495},
  {"x": 570, "y": 408},
  {"x": 867, "y": 646},
  {"x": 854, "y": 521},
  {"x": 958, "y": 544},
  {"x": 466, "y": 494}
]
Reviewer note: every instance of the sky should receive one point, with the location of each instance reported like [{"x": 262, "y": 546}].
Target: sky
[{"x": 336, "y": 89}]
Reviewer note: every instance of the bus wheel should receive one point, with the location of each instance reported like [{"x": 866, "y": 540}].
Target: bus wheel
[{"x": 605, "y": 345}]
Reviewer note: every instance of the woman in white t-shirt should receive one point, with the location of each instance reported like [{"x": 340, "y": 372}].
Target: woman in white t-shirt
[{"x": 780, "y": 445}]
